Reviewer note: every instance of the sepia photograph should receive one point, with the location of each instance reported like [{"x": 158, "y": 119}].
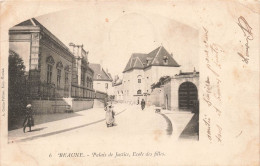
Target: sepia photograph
[
  {"x": 150, "y": 85},
  {"x": 133, "y": 83}
]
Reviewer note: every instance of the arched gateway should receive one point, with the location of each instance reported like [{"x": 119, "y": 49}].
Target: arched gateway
[{"x": 187, "y": 93}]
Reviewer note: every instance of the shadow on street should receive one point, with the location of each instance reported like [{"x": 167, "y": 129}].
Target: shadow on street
[
  {"x": 42, "y": 118},
  {"x": 191, "y": 131},
  {"x": 38, "y": 129}
]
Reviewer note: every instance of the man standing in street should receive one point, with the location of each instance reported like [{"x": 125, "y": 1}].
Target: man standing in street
[{"x": 142, "y": 104}]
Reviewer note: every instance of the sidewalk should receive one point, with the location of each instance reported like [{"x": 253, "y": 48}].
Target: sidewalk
[
  {"x": 65, "y": 122},
  {"x": 185, "y": 124}
]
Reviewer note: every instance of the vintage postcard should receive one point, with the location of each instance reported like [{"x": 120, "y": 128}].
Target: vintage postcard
[{"x": 129, "y": 83}]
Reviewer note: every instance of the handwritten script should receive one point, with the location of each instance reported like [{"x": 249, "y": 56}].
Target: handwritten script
[
  {"x": 247, "y": 31},
  {"x": 212, "y": 95}
]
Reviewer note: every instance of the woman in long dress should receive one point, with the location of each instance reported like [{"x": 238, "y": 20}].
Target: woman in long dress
[
  {"x": 110, "y": 115},
  {"x": 28, "y": 121}
]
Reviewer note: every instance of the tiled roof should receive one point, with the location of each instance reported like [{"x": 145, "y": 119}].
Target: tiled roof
[
  {"x": 98, "y": 70},
  {"x": 136, "y": 61},
  {"x": 154, "y": 58}
]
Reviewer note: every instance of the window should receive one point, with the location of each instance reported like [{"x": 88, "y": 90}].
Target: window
[
  {"x": 139, "y": 80},
  {"x": 139, "y": 92},
  {"x": 58, "y": 77},
  {"x": 82, "y": 76},
  {"x": 77, "y": 77},
  {"x": 49, "y": 73},
  {"x": 66, "y": 81},
  {"x": 165, "y": 60},
  {"x": 90, "y": 83},
  {"x": 87, "y": 82},
  {"x": 66, "y": 78},
  {"x": 106, "y": 85},
  {"x": 98, "y": 76}
]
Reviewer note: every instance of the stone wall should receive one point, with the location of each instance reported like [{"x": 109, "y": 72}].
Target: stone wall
[
  {"x": 79, "y": 105},
  {"x": 99, "y": 103},
  {"x": 167, "y": 98},
  {"x": 156, "y": 97},
  {"x": 60, "y": 106},
  {"x": 175, "y": 84}
]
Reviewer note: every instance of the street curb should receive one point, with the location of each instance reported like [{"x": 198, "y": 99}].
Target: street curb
[{"x": 169, "y": 124}]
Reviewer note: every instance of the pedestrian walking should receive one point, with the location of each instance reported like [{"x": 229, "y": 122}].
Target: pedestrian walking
[
  {"x": 110, "y": 115},
  {"x": 28, "y": 121},
  {"x": 142, "y": 104}
]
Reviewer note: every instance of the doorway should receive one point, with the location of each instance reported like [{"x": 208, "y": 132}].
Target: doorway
[{"x": 188, "y": 94}]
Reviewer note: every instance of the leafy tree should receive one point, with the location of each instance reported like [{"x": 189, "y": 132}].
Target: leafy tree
[{"x": 16, "y": 89}]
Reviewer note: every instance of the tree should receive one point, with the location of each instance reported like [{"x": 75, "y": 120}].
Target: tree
[{"x": 16, "y": 88}]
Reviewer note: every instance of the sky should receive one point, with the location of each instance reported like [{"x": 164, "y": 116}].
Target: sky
[{"x": 111, "y": 35}]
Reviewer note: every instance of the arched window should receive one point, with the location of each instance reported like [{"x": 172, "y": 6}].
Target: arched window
[
  {"x": 50, "y": 62},
  {"x": 139, "y": 78},
  {"x": 67, "y": 70},
  {"x": 88, "y": 82},
  {"x": 139, "y": 92},
  {"x": 59, "y": 67},
  {"x": 91, "y": 83},
  {"x": 58, "y": 77}
]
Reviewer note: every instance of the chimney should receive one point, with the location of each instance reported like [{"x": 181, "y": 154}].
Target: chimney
[
  {"x": 194, "y": 71},
  {"x": 72, "y": 45}
]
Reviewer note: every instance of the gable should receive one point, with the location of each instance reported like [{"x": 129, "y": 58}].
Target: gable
[
  {"x": 157, "y": 57},
  {"x": 163, "y": 58},
  {"x": 99, "y": 73}
]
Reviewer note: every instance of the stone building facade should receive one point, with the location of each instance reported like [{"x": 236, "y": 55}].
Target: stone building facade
[
  {"x": 179, "y": 92},
  {"x": 102, "y": 80},
  {"x": 47, "y": 60},
  {"x": 118, "y": 90},
  {"x": 58, "y": 77},
  {"x": 142, "y": 70},
  {"x": 82, "y": 74}
]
